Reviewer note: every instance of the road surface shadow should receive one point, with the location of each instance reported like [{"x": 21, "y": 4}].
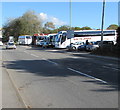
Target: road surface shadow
[{"x": 47, "y": 68}]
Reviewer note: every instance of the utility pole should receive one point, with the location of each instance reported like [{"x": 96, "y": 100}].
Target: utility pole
[
  {"x": 103, "y": 11},
  {"x": 70, "y": 17}
]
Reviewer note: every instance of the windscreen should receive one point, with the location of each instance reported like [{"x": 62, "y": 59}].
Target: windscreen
[
  {"x": 10, "y": 43},
  {"x": 28, "y": 37}
]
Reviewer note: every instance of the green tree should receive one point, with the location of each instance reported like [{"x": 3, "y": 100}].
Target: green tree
[
  {"x": 112, "y": 27},
  {"x": 86, "y": 28},
  {"x": 118, "y": 37},
  {"x": 49, "y": 25},
  {"x": 64, "y": 28},
  {"x": 76, "y": 28},
  {"x": 29, "y": 24}
]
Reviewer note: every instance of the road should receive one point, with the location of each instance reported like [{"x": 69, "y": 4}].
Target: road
[{"x": 55, "y": 78}]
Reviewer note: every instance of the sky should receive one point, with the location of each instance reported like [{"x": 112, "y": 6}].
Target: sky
[{"x": 82, "y": 13}]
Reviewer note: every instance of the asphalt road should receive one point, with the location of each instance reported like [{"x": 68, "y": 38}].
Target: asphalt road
[{"x": 55, "y": 78}]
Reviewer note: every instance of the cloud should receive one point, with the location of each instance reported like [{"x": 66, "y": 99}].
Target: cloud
[
  {"x": 56, "y": 21},
  {"x": 44, "y": 17}
]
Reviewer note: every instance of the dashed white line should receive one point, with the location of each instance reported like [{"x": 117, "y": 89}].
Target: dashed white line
[
  {"x": 111, "y": 68},
  {"x": 26, "y": 52},
  {"x": 31, "y": 54},
  {"x": 34, "y": 55},
  {"x": 87, "y": 75},
  {"x": 50, "y": 61}
]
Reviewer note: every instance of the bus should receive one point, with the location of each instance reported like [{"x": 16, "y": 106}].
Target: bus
[
  {"x": 39, "y": 38},
  {"x": 63, "y": 40},
  {"x": 25, "y": 40},
  {"x": 52, "y": 39}
]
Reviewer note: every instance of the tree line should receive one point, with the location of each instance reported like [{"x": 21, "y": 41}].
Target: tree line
[{"x": 29, "y": 23}]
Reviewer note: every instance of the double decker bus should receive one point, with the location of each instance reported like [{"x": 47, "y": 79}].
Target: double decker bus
[{"x": 63, "y": 40}]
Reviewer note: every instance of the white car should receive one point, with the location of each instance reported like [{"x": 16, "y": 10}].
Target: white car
[
  {"x": 1, "y": 43},
  {"x": 92, "y": 45},
  {"x": 10, "y": 45}
]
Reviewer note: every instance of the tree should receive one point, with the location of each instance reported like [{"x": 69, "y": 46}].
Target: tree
[
  {"x": 118, "y": 37},
  {"x": 29, "y": 24},
  {"x": 64, "y": 28},
  {"x": 86, "y": 28},
  {"x": 49, "y": 25},
  {"x": 76, "y": 28},
  {"x": 112, "y": 27}
]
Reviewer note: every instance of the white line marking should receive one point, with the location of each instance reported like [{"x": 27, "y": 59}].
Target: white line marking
[
  {"x": 26, "y": 52},
  {"x": 34, "y": 55},
  {"x": 50, "y": 61},
  {"x": 87, "y": 75},
  {"x": 111, "y": 68},
  {"x": 75, "y": 57}
]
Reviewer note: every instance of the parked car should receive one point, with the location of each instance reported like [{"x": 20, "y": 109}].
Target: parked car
[
  {"x": 74, "y": 46},
  {"x": 10, "y": 45},
  {"x": 93, "y": 45},
  {"x": 1, "y": 44},
  {"x": 82, "y": 47},
  {"x": 105, "y": 43}
]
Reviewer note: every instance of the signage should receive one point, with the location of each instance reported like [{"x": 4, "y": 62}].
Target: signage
[{"x": 70, "y": 34}]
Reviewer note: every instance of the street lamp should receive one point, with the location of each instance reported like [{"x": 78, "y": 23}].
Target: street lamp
[{"x": 103, "y": 11}]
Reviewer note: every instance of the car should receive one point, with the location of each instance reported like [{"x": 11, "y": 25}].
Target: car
[
  {"x": 1, "y": 44},
  {"x": 93, "y": 45},
  {"x": 10, "y": 45},
  {"x": 74, "y": 46},
  {"x": 106, "y": 43},
  {"x": 82, "y": 47}
]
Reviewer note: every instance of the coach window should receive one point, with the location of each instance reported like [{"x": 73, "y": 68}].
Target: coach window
[{"x": 63, "y": 38}]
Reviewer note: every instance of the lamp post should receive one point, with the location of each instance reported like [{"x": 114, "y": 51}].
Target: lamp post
[{"x": 103, "y": 11}]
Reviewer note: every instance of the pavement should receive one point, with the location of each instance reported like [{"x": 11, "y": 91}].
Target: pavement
[{"x": 9, "y": 95}]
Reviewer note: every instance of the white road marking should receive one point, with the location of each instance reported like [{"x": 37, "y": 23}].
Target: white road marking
[
  {"x": 87, "y": 75},
  {"x": 75, "y": 57},
  {"x": 50, "y": 61},
  {"x": 26, "y": 52},
  {"x": 111, "y": 68},
  {"x": 34, "y": 55}
]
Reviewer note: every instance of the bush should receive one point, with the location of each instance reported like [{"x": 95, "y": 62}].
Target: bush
[{"x": 108, "y": 50}]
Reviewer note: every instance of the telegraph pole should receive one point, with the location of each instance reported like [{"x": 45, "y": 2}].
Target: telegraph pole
[
  {"x": 70, "y": 17},
  {"x": 103, "y": 11},
  {"x": 70, "y": 13}
]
